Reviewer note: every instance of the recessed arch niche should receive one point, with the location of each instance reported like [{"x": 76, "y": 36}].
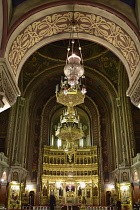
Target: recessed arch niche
[
  {"x": 94, "y": 23},
  {"x": 51, "y": 118}
]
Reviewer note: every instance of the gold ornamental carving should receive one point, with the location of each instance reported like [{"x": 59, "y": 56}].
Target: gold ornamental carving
[
  {"x": 86, "y": 23},
  {"x": 73, "y": 98},
  {"x": 70, "y": 134}
]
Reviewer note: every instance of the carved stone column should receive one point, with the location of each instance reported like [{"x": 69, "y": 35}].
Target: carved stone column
[
  {"x": 9, "y": 90},
  {"x": 17, "y": 133},
  {"x": 126, "y": 141},
  {"x": 125, "y": 119},
  {"x": 117, "y": 135}
]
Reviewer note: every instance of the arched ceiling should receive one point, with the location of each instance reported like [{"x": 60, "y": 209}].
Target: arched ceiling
[
  {"x": 53, "y": 56},
  {"x": 34, "y": 31},
  {"x": 44, "y": 68},
  {"x": 42, "y": 71},
  {"x": 34, "y": 24}
]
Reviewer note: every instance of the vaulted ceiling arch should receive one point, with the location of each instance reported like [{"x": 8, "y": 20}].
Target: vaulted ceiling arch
[{"x": 93, "y": 23}]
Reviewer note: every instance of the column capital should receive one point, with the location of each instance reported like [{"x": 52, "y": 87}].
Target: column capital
[{"x": 9, "y": 90}]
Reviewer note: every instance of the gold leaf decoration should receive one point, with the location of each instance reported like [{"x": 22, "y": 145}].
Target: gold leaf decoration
[{"x": 86, "y": 23}]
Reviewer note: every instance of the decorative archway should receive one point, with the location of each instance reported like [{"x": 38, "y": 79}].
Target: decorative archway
[{"x": 93, "y": 22}]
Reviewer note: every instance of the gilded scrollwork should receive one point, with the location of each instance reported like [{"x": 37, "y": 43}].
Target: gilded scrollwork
[{"x": 85, "y": 23}]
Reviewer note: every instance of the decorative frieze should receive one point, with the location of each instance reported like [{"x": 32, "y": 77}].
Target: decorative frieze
[{"x": 87, "y": 23}]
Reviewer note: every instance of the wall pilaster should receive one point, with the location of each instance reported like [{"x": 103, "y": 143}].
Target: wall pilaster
[
  {"x": 134, "y": 91},
  {"x": 17, "y": 133},
  {"x": 117, "y": 135},
  {"x": 125, "y": 120}
]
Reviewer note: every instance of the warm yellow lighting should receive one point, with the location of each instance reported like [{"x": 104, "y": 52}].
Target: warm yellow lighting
[
  {"x": 110, "y": 186},
  {"x": 58, "y": 184},
  {"x": 4, "y": 177},
  {"x": 16, "y": 187},
  {"x": 124, "y": 188},
  {"x": 14, "y": 182},
  {"x": 69, "y": 127},
  {"x": 74, "y": 56},
  {"x": 71, "y": 97},
  {"x": 81, "y": 142},
  {"x": 59, "y": 142},
  {"x": 82, "y": 184},
  {"x": 29, "y": 187}
]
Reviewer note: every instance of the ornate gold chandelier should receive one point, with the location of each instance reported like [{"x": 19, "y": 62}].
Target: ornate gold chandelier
[
  {"x": 70, "y": 149},
  {"x": 70, "y": 93},
  {"x": 69, "y": 128},
  {"x": 72, "y": 89}
]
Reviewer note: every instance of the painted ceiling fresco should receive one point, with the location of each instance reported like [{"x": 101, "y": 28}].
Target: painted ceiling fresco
[{"x": 52, "y": 57}]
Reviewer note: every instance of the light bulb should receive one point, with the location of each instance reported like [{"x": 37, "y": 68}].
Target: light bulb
[{"x": 65, "y": 91}]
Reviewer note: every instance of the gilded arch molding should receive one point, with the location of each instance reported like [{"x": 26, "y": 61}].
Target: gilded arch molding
[
  {"x": 86, "y": 23},
  {"x": 93, "y": 23}
]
